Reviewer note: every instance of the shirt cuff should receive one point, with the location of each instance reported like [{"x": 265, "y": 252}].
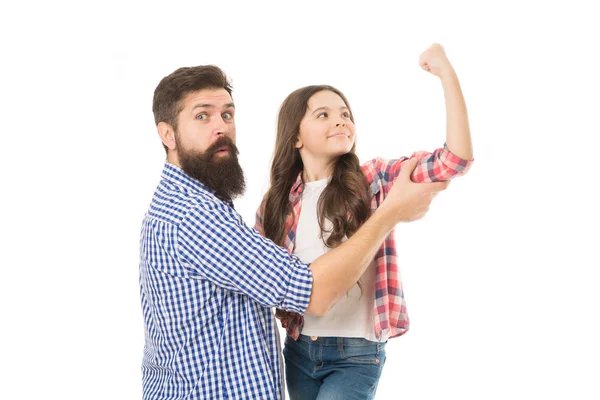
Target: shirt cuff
[
  {"x": 451, "y": 160},
  {"x": 299, "y": 288}
]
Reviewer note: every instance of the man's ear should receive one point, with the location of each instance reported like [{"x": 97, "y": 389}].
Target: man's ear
[{"x": 167, "y": 135}]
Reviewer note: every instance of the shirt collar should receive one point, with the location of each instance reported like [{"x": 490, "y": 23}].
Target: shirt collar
[
  {"x": 297, "y": 187},
  {"x": 174, "y": 174}
]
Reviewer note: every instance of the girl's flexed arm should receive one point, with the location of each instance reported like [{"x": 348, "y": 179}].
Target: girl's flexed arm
[{"x": 458, "y": 136}]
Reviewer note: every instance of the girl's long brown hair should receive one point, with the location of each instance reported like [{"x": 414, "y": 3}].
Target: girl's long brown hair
[{"x": 345, "y": 201}]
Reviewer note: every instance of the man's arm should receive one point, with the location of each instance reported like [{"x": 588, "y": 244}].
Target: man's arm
[
  {"x": 335, "y": 272},
  {"x": 231, "y": 255},
  {"x": 214, "y": 243}
]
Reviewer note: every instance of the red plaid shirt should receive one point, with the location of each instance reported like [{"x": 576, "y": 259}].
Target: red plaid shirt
[{"x": 390, "y": 308}]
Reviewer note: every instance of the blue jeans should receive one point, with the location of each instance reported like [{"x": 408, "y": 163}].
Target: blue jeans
[{"x": 331, "y": 368}]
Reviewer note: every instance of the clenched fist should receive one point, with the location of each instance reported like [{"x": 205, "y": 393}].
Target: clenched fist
[{"x": 434, "y": 60}]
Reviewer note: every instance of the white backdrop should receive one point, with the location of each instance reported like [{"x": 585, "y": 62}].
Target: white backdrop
[{"x": 501, "y": 277}]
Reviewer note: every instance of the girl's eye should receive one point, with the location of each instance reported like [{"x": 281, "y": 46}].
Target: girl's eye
[
  {"x": 322, "y": 115},
  {"x": 346, "y": 115}
]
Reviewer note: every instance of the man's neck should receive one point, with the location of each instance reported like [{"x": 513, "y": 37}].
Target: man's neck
[{"x": 173, "y": 159}]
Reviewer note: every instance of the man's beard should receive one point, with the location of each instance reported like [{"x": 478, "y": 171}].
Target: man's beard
[{"x": 221, "y": 174}]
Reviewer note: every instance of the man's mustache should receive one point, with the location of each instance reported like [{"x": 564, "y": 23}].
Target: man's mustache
[{"x": 223, "y": 141}]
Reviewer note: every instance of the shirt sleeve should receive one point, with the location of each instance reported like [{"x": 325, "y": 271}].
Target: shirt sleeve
[
  {"x": 441, "y": 165},
  {"x": 214, "y": 243}
]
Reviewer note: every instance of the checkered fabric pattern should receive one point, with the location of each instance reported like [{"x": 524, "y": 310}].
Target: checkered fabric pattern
[
  {"x": 207, "y": 284},
  {"x": 391, "y": 317}
]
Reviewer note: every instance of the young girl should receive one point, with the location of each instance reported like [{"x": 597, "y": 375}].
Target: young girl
[{"x": 319, "y": 196}]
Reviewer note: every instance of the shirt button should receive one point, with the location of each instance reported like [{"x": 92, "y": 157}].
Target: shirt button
[{"x": 314, "y": 338}]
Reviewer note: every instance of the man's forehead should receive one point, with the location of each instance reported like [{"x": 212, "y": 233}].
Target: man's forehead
[{"x": 214, "y": 97}]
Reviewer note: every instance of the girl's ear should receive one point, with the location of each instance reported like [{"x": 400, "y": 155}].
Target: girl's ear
[{"x": 298, "y": 144}]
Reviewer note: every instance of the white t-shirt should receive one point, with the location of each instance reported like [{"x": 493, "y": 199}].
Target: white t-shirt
[{"x": 352, "y": 315}]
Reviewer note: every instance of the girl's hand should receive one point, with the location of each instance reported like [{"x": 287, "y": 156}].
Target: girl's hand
[
  {"x": 284, "y": 316},
  {"x": 434, "y": 60}
]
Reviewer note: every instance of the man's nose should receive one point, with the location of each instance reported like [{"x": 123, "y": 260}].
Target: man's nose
[{"x": 221, "y": 128}]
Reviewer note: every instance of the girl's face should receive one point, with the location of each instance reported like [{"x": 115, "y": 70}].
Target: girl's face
[{"x": 326, "y": 131}]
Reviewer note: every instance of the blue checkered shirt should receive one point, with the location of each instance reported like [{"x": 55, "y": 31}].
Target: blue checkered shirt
[{"x": 207, "y": 284}]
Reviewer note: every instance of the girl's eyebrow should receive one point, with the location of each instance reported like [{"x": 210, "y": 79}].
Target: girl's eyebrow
[{"x": 327, "y": 108}]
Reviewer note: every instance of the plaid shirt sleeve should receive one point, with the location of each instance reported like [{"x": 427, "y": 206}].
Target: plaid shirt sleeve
[
  {"x": 441, "y": 165},
  {"x": 215, "y": 244}
]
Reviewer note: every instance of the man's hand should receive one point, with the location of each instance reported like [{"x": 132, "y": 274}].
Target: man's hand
[
  {"x": 434, "y": 60},
  {"x": 408, "y": 201}
]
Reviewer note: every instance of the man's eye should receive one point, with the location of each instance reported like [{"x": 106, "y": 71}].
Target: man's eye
[
  {"x": 322, "y": 115},
  {"x": 201, "y": 116},
  {"x": 227, "y": 115}
]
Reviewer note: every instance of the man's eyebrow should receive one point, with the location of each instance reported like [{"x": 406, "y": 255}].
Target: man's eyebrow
[{"x": 201, "y": 105}]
